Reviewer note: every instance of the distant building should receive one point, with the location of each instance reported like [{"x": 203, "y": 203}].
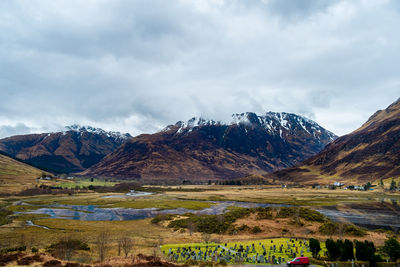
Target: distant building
[{"x": 338, "y": 184}]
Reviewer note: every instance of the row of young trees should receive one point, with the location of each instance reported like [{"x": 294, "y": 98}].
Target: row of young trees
[{"x": 364, "y": 251}]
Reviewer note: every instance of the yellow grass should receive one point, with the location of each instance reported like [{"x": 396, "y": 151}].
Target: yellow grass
[{"x": 16, "y": 176}]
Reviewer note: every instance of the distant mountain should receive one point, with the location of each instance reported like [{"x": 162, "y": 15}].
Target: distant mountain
[
  {"x": 73, "y": 150},
  {"x": 370, "y": 153},
  {"x": 16, "y": 175},
  {"x": 202, "y": 149}
]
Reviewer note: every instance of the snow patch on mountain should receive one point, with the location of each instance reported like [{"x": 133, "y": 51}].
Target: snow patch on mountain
[
  {"x": 81, "y": 129},
  {"x": 275, "y": 123}
]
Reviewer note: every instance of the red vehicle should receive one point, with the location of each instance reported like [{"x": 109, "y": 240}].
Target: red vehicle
[{"x": 302, "y": 261}]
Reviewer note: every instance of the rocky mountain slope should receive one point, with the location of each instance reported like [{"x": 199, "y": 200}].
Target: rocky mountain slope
[
  {"x": 204, "y": 149},
  {"x": 370, "y": 153},
  {"x": 72, "y": 150}
]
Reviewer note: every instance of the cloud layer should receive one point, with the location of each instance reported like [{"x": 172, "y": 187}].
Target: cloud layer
[{"x": 137, "y": 66}]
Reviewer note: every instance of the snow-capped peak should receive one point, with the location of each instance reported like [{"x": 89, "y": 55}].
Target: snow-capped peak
[
  {"x": 276, "y": 123},
  {"x": 90, "y": 129},
  {"x": 195, "y": 122}
]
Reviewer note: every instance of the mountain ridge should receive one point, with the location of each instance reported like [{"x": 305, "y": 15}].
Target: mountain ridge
[
  {"x": 202, "y": 149},
  {"x": 369, "y": 153},
  {"x": 72, "y": 150}
]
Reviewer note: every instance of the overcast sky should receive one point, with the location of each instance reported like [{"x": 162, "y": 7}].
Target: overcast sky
[{"x": 137, "y": 66}]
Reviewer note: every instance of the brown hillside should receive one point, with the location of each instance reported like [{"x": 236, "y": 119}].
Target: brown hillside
[
  {"x": 74, "y": 150},
  {"x": 369, "y": 153},
  {"x": 16, "y": 176},
  {"x": 199, "y": 150}
]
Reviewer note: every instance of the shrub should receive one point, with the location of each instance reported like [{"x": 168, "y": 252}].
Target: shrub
[
  {"x": 311, "y": 215},
  {"x": 34, "y": 250},
  {"x": 74, "y": 244},
  {"x": 6, "y": 250},
  {"x": 353, "y": 230},
  {"x": 211, "y": 224},
  {"x": 4, "y": 216},
  {"x": 256, "y": 230},
  {"x": 328, "y": 228},
  {"x": 264, "y": 213},
  {"x": 284, "y": 231},
  {"x": 286, "y": 212},
  {"x": 162, "y": 217},
  {"x": 243, "y": 227}
]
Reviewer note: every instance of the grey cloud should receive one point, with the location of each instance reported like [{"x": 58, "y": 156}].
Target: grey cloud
[
  {"x": 10, "y": 130},
  {"x": 297, "y": 9},
  {"x": 140, "y": 65}
]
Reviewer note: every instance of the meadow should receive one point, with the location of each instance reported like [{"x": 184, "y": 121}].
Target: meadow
[{"x": 275, "y": 251}]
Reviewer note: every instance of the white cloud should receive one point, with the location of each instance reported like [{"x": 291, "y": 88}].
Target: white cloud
[{"x": 138, "y": 66}]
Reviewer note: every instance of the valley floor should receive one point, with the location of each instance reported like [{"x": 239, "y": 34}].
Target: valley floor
[{"x": 40, "y": 230}]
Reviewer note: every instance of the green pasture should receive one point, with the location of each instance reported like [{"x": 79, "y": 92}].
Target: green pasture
[
  {"x": 84, "y": 182},
  {"x": 223, "y": 248}
]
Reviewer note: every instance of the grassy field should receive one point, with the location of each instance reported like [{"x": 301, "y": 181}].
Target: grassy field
[
  {"x": 289, "y": 248},
  {"x": 148, "y": 236},
  {"x": 83, "y": 182},
  {"x": 159, "y": 201},
  {"x": 16, "y": 176},
  {"x": 294, "y": 196}
]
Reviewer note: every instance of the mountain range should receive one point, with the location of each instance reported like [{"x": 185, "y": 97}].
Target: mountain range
[
  {"x": 73, "y": 150},
  {"x": 202, "y": 149},
  {"x": 283, "y": 146},
  {"x": 369, "y": 153}
]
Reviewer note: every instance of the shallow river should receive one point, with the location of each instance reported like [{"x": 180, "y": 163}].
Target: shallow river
[
  {"x": 93, "y": 213},
  {"x": 366, "y": 218}
]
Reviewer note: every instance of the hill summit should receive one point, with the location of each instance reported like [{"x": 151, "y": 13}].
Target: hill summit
[
  {"x": 72, "y": 150},
  {"x": 367, "y": 154},
  {"x": 201, "y": 149}
]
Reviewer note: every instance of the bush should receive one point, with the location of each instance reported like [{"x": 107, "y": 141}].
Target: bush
[
  {"x": 162, "y": 217},
  {"x": 34, "y": 250},
  {"x": 311, "y": 215},
  {"x": 74, "y": 244},
  {"x": 243, "y": 227},
  {"x": 353, "y": 230},
  {"x": 264, "y": 213},
  {"x": 286, "y": 212},
  {"x": 328, "y": 228},
  {"x": 4, "y": 216},
  {"x": 7, "y": 250},
  {"x": 256, "y": 230},
  {"x": 304, "y": 213},
  {"x": 211, "y": 224}
]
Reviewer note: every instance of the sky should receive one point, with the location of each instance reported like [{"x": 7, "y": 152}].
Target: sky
[{"x": 138, "y": 66}]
